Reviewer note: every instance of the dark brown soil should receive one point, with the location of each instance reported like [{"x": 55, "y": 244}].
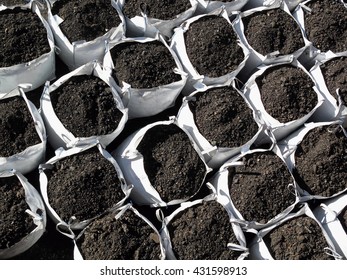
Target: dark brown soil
[
  {"x": 335, "y": 75},
  {"x": 13, "y": 2},
  {"x": 230, "y": 121},
  {"x": 15, "y": 223},
  {"x": 326, "y": 25},
  {"x": 343, "y": 218},
  {"x": 17, "y": 127},
  {"x": 212, "y": 47},
  {"x": 23, "y": 37},
  {"x": 127, "y": 238},
  {"x": 202, "y": 232},
  {"x": 321, "y": 161},
  {"x": 83, "y": 185},
  {"x": 143, "y": 65},
  {"x": 259, "y": 188},
  {"x": 173, "y": 167},
  {"x": 160, "y": 9},
  {"x": 300, "y": 238},
  {"x": 287, "y": 93},
  {"x": 86, "y": 19},
  {"x": 273, "y": 30},
  {"x": 92, "y": 109}
]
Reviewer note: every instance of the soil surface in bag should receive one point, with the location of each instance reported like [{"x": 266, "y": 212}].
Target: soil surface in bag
[
  {"x": 326, "y": 25},
  {"x": 159, "y": 9},
  {"x": 83, "y": 185},
  {"x": 23, "y": 37},
  {"x": 212, "y": 47},
  {"x": 273, "y": 30},
  {"x": 202, "y": 232},
  {"x": 300, "y": 238},
  {"x": 343, "y": 218},
  {"x": 143, "y": 65},
  {"x": 126, "y": 238},
  {"x": 259, "y": 188},
  {"x": 287, "y": 93},
  {"x": 172, "y": 165},
  {"x": 320, "y": 161},
  {"x": 223, "y": 117},
  {"x": 15, "y": 223},
  {"x": 335, "y": 76},
  {"x": 86, "y": 19},
  {"x": 86, "y": 107},
  {"x": 17, "y": 127}
]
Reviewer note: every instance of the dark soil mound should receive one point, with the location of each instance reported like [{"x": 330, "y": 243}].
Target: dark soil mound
[
  {"x": 17, "y": 127},
  {"x": 15, "y": 223},
  {"x": 202, "y": 232},
  {"x": 23, "y": 37},
  {"x": 287, "y": 93},
  {"x": 212, "y": 47},
  {"x": 127, "y": 238},
  {"x": 300, "y": 238},
  {"x": 273, "y": 30},
  {"x": 143, "y": 65},
  {"x": 259, "y": 188},
  {"x": 326, "y": 25},
  {"x": 321, "y": 161},
  {"x": 223, "y": 117},
  {"x": 85, "y": 19},
  {"x": 335, "y": 75},
  {"x": 83, "y": 185},
  {"x": 173, "y": 167},
  {"x": 160, "y": 9},
  {"x": 91, "y": 108}
]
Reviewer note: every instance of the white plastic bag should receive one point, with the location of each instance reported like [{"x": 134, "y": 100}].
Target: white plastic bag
[
  {"x": 59, "y": 135},
  {"x": 132, "y": 164},
  {"x": 32, "y": 156},
  {"x": 35, "y": 72},
  {"x": 73, "y": 224},
  {"x": 76, "y": 54},
  {"x": 151, "y": 101},
  {"x": 36, "y": 209},
  {"x": 237, "y": 231}
]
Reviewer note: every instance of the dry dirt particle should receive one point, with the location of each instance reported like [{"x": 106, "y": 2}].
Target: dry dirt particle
[
  {"x": 159, "y": 9},
  {"x": 273, "y": 30},
  {"x": 172, "y": 165},
  {"x": 202, "y": 232},
  {"x": 259, "y": 188},
  {"x": 83, "y": 185},
  {"x": 326, "y": 25},
  {"x": 23, "y": 37},
  {"x": 86, "y": 107},
  {"x": 17, "y": 127},
  {"x": 127, "y": 238},
  {"x": 335, "y": 76},
  {"x": 86, "y": 19},
  {"x": 320, "y": 161},
  {"x": 143, "y": 65},
  {"x": 300, "y": 238},
  {"x": 287, "y": 93},
  {"x": 223, "y": 117},
  {"x": 212, "y": 48},
  {"x": 15, "y": 224}
]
